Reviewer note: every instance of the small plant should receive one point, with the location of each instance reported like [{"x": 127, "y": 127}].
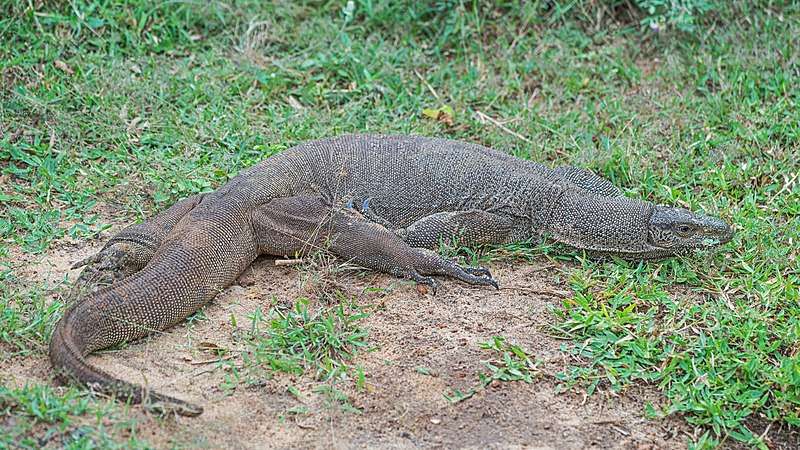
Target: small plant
[
  {"x": 514, "y": 364},
  {"x": 296, "y": 340},
  {"x": 335, "y": 398},
  {"x": 680, "y": 14},
  {"x": 26, "y": 318},
  {"x": 39, "y": 416}
]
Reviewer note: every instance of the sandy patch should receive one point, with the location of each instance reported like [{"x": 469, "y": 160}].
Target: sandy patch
[{"x": 401, "y": 407}]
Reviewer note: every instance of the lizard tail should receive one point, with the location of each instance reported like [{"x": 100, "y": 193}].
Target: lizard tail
[{"x": 68, "y": 356}]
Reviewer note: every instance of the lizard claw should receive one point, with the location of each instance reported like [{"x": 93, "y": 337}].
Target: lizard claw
[
  {"x": 106, "y": 267},
  {"x": 484, "y": 281},
  {"x": 482, "y": 276},
  {"x": 365, "y": 205},
  {"x": 86, "y": 261},
  {"x": 169, "y": 407},
  {"x": 426, "y": 281},
  {"x": 479, "y": 276},
  {"x": 478, "y": 271}
]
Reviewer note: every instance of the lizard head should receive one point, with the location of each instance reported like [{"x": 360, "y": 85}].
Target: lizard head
[{"x": 675, "y": 230}]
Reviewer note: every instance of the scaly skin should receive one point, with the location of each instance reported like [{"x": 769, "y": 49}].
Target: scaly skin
[{"x": 382, "y": 202}]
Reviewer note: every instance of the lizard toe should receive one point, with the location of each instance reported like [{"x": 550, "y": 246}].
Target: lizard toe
[
  {"x": 425, "y": 281},
  {"x": 108, "y": 266},
  {"x": 482, "y": 281},
  {"x": 478, "y": 271}
]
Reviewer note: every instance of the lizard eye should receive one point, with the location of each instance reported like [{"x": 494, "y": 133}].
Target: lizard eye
[{"x": 683, "y": 229}]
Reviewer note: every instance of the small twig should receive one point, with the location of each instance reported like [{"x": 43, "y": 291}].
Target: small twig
[
  {"x": 211, "y": 361},
  {"x": 425, "y": 82},
  {"x": 185, "y": 376},
  {"x": 34, "y": 15},
  {"x": 557, "y": 337},
  {"x": 304, "y": 426},
  {"x": 288, "y": 262},
  {"x": 533, "y": 96},
  {"x": 605, "y": 422},
  {"x": 550, "y": 292},
  {"x": 541, "y": 268},
  {"x": 787, "y": 185},
  {"x": 764, "y": 434},
  {"x": 520, "y": 35},
  {"x": 523, "y": 325},
  {"x": 619, "y": 430},
  {"x": 197, "y": 374},
  {"x": 484, "y": 118}
]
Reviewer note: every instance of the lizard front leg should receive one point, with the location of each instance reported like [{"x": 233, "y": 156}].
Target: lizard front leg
[
  {"x": 130, "y": 250},
  {"x": 298, "y": 224},
  {"x": 472, "y": 228}
]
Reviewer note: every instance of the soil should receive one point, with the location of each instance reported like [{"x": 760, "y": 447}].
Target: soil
[{"x": 403, "y": 406}]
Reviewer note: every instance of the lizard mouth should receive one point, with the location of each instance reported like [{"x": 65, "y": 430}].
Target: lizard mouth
[{"x": 677, "y": 229}]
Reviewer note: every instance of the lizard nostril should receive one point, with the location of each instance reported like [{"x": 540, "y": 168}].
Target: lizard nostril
[{"x": 727, "y": 234}]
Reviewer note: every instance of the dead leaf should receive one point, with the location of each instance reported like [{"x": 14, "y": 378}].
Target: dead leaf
[
  {"x": 445, "y": 114},
  {"x": 211, "y": 347},
  {"x": 135, "y": 121},
  {"x": 294, "y": 103},
  {"x": 136, "y": 69},
  {"x": 62, "y": 66}
]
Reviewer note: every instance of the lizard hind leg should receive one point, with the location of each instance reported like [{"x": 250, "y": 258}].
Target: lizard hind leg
[
  {"x": 128, "y": 251},
  {"x": 290, "y": 225},
  {"x": 374, "y": 246},
  {"x": 116, "y": 261}
]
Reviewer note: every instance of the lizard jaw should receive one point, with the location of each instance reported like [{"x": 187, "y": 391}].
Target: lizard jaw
[{"x": 678, "y": 229}]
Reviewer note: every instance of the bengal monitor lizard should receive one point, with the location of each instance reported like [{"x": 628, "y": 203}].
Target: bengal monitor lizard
[{"x": 381, "y": 202}]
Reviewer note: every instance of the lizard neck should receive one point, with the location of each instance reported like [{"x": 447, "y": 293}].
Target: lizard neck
[{"x": 612, "y": 225}]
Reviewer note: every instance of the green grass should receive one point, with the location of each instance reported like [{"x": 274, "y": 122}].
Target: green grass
[
  {"x": 37, "y": 416},
  {"x": 318, "y": 341},
  {"x": 719, "y": 359},
  {"x": 513, "y": 364},
  {"x": 110, "y": 111},
  {"x": 299, "y": 340},
  {"x": 26, "y": 318}
]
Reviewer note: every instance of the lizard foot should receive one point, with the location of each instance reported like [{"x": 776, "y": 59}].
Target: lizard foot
[
  {"x": 478, "y": 280},
  {"x": 430, "y": 263},
  {"x": 477, "y": 276},
  {"x": 108, "y": 266},
  {"x": 425, "y": 281},
  {"x": 479, "y": 271}
]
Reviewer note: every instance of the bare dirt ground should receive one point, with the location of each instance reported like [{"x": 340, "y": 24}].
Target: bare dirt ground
[{"x": 401, "y": 407}]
